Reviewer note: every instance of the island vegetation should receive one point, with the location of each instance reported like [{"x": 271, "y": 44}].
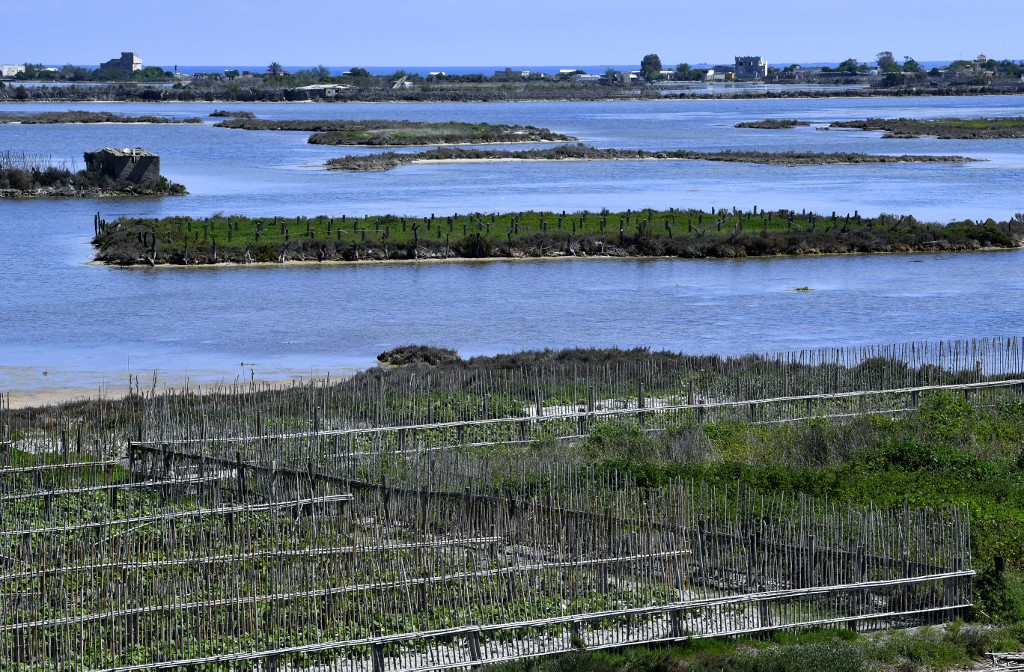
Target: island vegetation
[
  {"x": 982, "y": 128},
  {"x": 233, "y": 114},
  {"x": 82, "y": 117},
  {"x": 384, "y": 132},
  {"x": 679, "y": 233},
  {"x": 773, "y": 123},
  {"x": 945, "y": 129},
  {"x": 580, "y": 152},
  {"x": 30, "y": 176}
]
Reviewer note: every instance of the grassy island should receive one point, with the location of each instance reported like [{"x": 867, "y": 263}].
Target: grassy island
[
  {"x": 80, "y": 117},
  {"x": 944, "y": 129},
  {"x": 772, "y": 124},
  {"x": 233, "y": 114},
  {"x": 996, "y": 128},
  {"x": 580, "y": 152},
  {"x": 645, "y": 233},
  {"x": 384, "y": 133}
]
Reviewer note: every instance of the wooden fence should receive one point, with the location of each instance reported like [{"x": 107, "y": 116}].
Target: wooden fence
[
  {"x": 566, "y": 423},
  {"x": 418, "y": 563},
  {"x": 356, "y": 525},
  {"x": 531, "y": 385}
]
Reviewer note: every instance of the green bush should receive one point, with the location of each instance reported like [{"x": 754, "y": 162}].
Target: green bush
[
  {"x": 926, "y": 649},
  {"x": 412, "y": 354},
  {"x": 999, "y": 598}
]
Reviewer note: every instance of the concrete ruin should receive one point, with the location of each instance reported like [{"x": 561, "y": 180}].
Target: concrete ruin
[
  {"x": 134, "y": 165},
  {"x": 128, "y": 63}
]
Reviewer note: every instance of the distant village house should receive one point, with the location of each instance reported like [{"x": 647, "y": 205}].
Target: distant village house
[
  {"x": 11, "y": 70},
  {"x": 744, "y": 67},
  {"x": 128, "y": 63},
  {"x": 720, "y": 73},
  {"x": 134, "y": 165}
]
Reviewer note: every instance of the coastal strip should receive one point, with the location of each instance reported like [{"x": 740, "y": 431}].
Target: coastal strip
[
  {"x": 983, "y": 128},
  {"x": 81, "y": 117},
  {"x": 387, "y": 132},
  {"x": 236, "y": 239},
  {"x": 580, "y": 152}
]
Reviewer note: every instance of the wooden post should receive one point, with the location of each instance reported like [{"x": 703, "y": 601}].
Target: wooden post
[
  {"x": 859, "y": 596},
  {"x": 240, "y": 473},
  {"x": 473, "y": 639},
  {"x": 677, "y": 623},
  {"x": 906, "y": 575},
  {"x": 273, "y": 479},
  {"x": 377, "y": 655},
  {"x": 592, "y": 402},
  {"x": 751, "y": 563}
]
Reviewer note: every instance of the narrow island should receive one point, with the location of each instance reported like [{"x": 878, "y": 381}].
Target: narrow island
[
  {"x": 772, "y": 124},
  {"x": 81, "y": 117},
  {"x": 1001, "y": 128},
  {"x": 108, "y": 172},
  {"x": 236, "y": 239},
  {"x": 233, "y": 114},
  {"x": 386, "y": 133},
  {"x": 580, "y": 152},
  {"x": 996, "y": 128}
]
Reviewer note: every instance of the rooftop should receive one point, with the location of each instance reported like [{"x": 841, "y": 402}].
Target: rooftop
[{"x": 127, "y": 151}]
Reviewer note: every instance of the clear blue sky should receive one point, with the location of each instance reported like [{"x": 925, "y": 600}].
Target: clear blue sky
[{"x": 500, "y": 32}]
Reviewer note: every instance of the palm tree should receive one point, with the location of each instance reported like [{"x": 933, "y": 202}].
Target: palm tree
[{"x": 275, "y": 69}]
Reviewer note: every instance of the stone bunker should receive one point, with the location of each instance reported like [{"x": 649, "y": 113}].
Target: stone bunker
[{"x": 134, "y": 165}]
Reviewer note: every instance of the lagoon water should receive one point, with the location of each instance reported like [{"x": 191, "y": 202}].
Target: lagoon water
[{"x": 69, "y": 325}]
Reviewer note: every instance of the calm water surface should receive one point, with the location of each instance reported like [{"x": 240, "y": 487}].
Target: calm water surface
[{"x": 67, "y": 324}]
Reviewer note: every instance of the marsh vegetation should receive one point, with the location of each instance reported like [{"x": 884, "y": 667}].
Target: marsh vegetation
[
  {"x": 82, "y": 117},
  {"x": 383, "y": 132},
  {"x": 681, "y": 233},
  {"x": 580, "y": 152}
]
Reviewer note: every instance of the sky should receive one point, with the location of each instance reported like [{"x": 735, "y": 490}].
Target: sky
[{"x": 346, "y": 33}]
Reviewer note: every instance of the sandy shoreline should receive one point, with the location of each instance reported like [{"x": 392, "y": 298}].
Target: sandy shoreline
[
  {"x": 312, "y": 263},
  {"x": 27, "y": 387}
]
